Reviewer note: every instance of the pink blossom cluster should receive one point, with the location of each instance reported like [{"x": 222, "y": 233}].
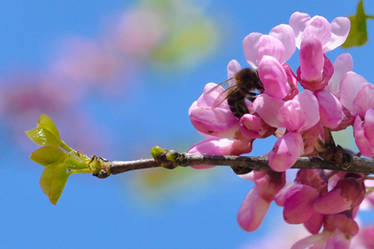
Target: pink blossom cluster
[{"x": 329, "y": 97}]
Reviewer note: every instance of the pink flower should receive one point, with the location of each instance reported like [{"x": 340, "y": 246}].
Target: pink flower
[
  {"x": 342, "y": 64},
  {"x": 296, "y": 115},
  {"x": 315, "y": 69},
  {"x": 268, "y": 108},
  {"x": 253, "y": 126},
  {"x": 298, "y": 206},
  {"x": 314, "y": 223},
  {"x": 258, "y": 200},
  {"x": 314, "y": 37},
  {"x": 330, "y": 35},
  {"x": 139, "y": 31},
  {"x": 324, "y": 240},
  {"x": 350, "y": 86},
  {"x": 338, "y": 229},
  {"x": 216, "y": 146},
  {"x": 363, "y": 131},
  {"x": 280, "y": 44},
  {"x": 366, "y": 237},
  {"x": 330, "y": 109},
  {"x": 286, "y": 151},
  {"x": 232, "y": 68},
  {"x": 87, "y": 61},
  {"x": 268, "y": 53},
  {"x": 210, "y": 119},
  {"x": 300, "y": 113},
  {"x": 346, "y": 195}
]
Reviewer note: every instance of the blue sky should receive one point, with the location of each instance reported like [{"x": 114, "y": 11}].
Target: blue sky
[{"x": 112, "y": 213}]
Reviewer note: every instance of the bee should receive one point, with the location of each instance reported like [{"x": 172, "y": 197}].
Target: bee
[{"x": 247, "y": 85}]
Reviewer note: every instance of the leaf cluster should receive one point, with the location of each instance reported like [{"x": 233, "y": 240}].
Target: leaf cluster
[{"x": 59, "y": 160}]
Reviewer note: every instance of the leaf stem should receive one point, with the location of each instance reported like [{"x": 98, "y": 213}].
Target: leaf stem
[
  {"x": 369, "y": 16},
  {"x": 80, "y": 171},
  {"x": 65, "y": 146}
]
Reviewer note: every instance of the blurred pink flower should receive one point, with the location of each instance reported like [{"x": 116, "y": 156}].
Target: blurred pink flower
[
  {"x": 139, "y": 31},
  {"x": 86, "y": 61}
]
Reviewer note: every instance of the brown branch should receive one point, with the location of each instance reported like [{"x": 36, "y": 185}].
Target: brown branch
[{"x": 238, "y": 163}]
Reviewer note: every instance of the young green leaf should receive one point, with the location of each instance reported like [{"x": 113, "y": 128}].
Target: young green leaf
[
  {"x": 46, "y": 122},
  {"x": 48, "y": 155},
  {"x": 53, "y": 181},
  {"x": 358, "y": 33},
  {"x": 43, "y": 136}
]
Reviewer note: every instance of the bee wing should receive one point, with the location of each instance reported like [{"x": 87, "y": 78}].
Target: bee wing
[
  {"x": 220, "y": 84},
  {"x": 222, "y": 96},
  {"x": 220, "y": 99}
]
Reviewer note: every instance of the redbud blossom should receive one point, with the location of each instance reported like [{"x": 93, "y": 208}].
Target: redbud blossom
[
  {"x": 331, "y": 35},
  {"x": 213, "y": 120},
  {"x": 258, "y": 200},
  {"x": 347, "y": 194},
  {"x": 330, "y": 109},
  {"x": 280, "y": 44},
  {"x": 232, "y": 68},
  {"x": 342, "y": 64},
  {"x": 333, "y": 98},
  {"x": 253, "y": 126},
  {"x": 286, "y": 151},
  {"x": 216, "y": 146},
  {"x": 298, "y": 206},
  {"x": 363, "y": 131},
  {"x": 273, "y": 77}
]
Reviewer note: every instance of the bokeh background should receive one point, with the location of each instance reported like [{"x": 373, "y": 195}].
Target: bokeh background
[{"x": 118, "y": 77}]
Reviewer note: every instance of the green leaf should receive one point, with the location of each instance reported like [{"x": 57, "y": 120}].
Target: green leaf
[
  {"x": 43, "y": 136},
  {"x": 48, "y": 155},
  {"x": 358, "y": 33},
  {"x": 46, "y": 122},
  {"x": 53, "y": 181}
]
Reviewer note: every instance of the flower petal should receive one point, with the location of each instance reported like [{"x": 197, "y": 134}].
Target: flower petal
[
  {"x": 286, "y": 151},
  {"x": 253, "y": 126},
  {"x": 252, "y": 211},
  {"x": 232, "y": 68},
  {"x": 300, "y": 113},
  {"x": 298, "y": 21},
  {"x": 298, "y": 206},
  {"x": 273, "y": 77},
  {"x": 361, "y": 140},
  {"x": 330, "y": 109},
  {"x": 319, "y": 28},
  {"x": 212, "y": 146},
  {"x": 314, "y": 223},
  {"x": 271, "y": 46},
  {"x": 268, "y": 109},
  {"x": 311, "y": 59},
  {"x": 364, "y": 99},
  {"x": 340, "y": 27},
  {"x": 350, "y": 85},
  {"x": 286, "y": 35},
  {"x": 250, "y": 48},
  {"x": 343, "y": 63}
]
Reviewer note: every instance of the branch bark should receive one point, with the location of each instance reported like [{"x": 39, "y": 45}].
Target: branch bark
[{"x": 238, "y": 163}]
